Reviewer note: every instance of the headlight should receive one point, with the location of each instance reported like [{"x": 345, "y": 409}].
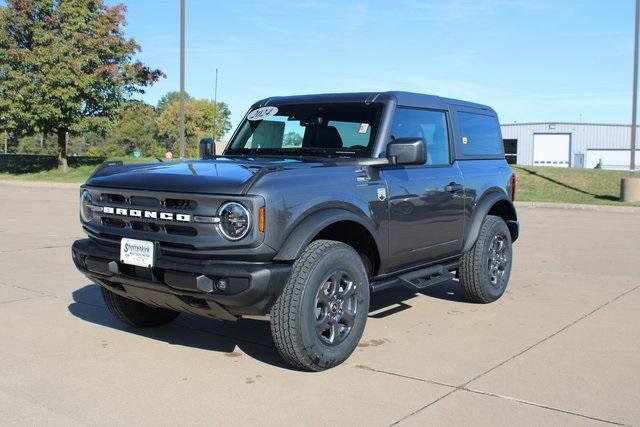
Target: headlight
[
  {"x": 86, "y": 202},
  {"x": 234, "y": 221}
]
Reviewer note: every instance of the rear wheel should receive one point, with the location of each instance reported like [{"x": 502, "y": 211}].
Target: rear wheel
[
  {"x": 134, "y": 313},
  {"x": 486, "y": 267},
  {"x": 320, "y": 316}
]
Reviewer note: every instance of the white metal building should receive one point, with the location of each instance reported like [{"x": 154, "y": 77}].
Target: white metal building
[{"x": 576, "y": 145}]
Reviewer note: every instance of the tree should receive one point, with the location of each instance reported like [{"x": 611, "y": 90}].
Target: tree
[
  {"x": 199, "y": 121},
  {"x": 166, "y": 100},
  {"x": 292, "y": 139},
  {"x": 37, "y": 144},
  {"x": 136, "y": 129},
  {"x": 66, "y": 67}
]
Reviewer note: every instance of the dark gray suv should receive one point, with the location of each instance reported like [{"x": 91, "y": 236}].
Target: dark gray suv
[{"x": 317, "y": 202}]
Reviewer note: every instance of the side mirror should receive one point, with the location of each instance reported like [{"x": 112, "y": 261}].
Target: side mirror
[
  {"x": 207, "y": 148},
  {"x": 407, "y": 151}
]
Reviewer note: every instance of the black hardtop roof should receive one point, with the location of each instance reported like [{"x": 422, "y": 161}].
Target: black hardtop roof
[{"x": 409, "y": 99}]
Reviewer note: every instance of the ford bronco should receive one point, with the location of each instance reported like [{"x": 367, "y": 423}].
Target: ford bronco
[{"x": 317, "y": 202}]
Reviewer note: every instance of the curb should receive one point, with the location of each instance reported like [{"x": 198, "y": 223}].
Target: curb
[
  {"x": 39, "y": 184},
  {"x": 574, "y": 206},
  {"x": 533, "y": 205}
]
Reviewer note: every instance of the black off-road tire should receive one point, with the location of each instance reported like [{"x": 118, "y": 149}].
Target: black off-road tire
[
  {"x": 134, "y": 313},
  {"x": 294, "y": 315},
  {"x": 475, "y": 268}
]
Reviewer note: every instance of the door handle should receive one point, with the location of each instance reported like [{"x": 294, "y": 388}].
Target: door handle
[{"x": 453, "y": 187}]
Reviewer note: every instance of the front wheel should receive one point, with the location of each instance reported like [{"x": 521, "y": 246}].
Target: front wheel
[
  {"x": 320, "y": 316},
  {"x": 486, "y": 267}
]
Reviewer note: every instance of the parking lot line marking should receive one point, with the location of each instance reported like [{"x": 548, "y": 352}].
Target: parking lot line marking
[
  {"x": 424, "y": 407},
  {"x": 23, "y": 289},
  {"x": 35, "y": 249},
  {"x": 539, "y": 405},
  {"x": 464, "y": 387},
  {"x": 409, "y": 377},
  {"x": 564, "y": 328},
  {"x": 487, "y": 393},
  {"x": 22, "y": 299}
]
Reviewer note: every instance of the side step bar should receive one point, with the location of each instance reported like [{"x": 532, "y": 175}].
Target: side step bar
[
  {"x": 418, "y": 279},
  {"x": 423, "y": 283}
]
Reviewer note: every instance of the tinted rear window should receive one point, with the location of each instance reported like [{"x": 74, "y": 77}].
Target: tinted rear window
[{"x": 480, "y": 135}]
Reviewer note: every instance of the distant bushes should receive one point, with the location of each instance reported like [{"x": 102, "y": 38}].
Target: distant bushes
[{"x": 28, "y": 163}]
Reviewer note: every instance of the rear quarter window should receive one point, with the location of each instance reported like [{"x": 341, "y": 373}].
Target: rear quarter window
[{"x": 479, "y": 135}]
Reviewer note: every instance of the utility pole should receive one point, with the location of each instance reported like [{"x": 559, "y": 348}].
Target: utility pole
[
  {"x": 183, "y": 144},
  {"x": 215, "y": 108},
  {"x": 634, "y": 108},
  {"x": 630, "y": 186},
  {"x": 6, "y": 135}
]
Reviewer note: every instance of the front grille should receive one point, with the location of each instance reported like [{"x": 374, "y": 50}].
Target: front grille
[
  {"x": 113, "y": 222},
  {"x": 145, "y": 226},
  {"x": 114, "y": 199},
  {"x": 180, "y": 230},
  {"x": 182, "y": 204},
  {"x": 142, "y": 201},
  {"x": 137, "y": 214},
  {"x": 148, "y": 202},
  {"x": 170, "y": 204}
]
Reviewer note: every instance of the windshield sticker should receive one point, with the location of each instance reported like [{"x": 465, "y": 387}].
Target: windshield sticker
[
  {"x": 262, "y": 113},
  {"x": 364, "y": 127}
]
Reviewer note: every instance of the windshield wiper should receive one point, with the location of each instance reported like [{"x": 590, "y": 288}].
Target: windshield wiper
[
  {"x": 279, "y": 152},
  {"x": 314, "y": 153}
]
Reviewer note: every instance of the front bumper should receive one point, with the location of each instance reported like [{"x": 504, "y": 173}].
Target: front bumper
[{"x": 186, "y": 284}]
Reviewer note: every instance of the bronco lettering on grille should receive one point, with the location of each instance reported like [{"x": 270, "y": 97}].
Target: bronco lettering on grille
[{"x": 138, "y": 213}]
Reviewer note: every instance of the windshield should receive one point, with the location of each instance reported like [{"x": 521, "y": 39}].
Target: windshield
[{"x": 319, "y": 130}]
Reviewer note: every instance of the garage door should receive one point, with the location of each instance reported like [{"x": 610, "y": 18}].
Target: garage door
[
  {"x": 610, "y": 159},
  {"x": 551, "y": 150}
]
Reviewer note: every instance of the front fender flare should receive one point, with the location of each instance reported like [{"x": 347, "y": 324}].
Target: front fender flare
[{"x": 303, "y": 233}]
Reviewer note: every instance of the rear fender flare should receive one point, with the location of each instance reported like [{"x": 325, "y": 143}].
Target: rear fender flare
[{"x": 480, "y": 212}]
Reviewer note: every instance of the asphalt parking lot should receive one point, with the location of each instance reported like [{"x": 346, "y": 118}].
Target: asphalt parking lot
[{"x": 561, "y": 347}]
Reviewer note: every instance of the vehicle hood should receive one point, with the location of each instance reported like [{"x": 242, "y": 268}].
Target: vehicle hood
[{"x": 221, "y": 176}]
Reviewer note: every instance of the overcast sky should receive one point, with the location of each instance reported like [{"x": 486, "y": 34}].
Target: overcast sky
[{"x": 532, "y": 60}]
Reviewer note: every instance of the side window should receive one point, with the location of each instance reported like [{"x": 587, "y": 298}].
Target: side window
[
  {"x": 480, "y": 135},
  {"x": 428, "y": 125}
]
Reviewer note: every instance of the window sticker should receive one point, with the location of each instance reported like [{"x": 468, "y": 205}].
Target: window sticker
[
  {"x": 465, "y": 140},
  {"x": 262, "y": 113},
  {"x": 364, "y": 127}
]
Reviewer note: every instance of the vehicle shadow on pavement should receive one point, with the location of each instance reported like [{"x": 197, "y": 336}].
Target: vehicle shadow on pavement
[
  {"x": 249, "y": 336},
  {"x": 394, "y": 300}
]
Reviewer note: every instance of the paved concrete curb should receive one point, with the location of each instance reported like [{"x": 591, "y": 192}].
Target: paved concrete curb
[
  {"x": 573, "y": 206},
  {"x": 39, "y": 184}
]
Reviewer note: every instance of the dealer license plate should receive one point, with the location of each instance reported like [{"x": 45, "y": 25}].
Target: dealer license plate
[{"x": 137, "y": 252}]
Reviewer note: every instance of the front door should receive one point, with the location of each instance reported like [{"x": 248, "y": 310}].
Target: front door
[{"x": 426, "y": 203}]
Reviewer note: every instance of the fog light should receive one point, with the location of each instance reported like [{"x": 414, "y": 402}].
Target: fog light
[{"x": 221, "y": 284}]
